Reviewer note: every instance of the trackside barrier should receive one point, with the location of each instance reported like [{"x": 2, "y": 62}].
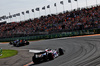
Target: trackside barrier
[
  {"x": 0, "y": 51},
  {"x": 58, "y": 35}
]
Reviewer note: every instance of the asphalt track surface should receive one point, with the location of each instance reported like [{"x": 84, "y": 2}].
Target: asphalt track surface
[{"x": 79, "y": 51}]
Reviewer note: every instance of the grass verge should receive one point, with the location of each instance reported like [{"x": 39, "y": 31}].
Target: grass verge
[{"x": 8, "y": 53}]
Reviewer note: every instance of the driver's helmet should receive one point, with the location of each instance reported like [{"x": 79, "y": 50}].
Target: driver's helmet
[{"x": 47, "y": 49}]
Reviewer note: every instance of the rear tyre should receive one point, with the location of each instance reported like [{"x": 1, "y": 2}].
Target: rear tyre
[
  {"x": 10, "y": 43},
  {"x": 50, "y": 56},
  {"x": 14, "y": 44},
  {"x": 35, "y": 60},
  {"x": 45, "y": 58},
  {"x": 27, "y": 43}
]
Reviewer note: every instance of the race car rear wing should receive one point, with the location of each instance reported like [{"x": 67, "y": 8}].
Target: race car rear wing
[{"x": 36, "y": 51}]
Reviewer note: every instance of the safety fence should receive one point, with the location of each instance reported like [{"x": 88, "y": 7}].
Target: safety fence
[{"x": 57, "y": 35}]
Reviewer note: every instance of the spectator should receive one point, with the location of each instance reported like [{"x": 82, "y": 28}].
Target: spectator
[{"x": 86, "y": 18}]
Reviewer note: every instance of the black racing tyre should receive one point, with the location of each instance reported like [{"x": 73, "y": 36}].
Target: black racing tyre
[
  {"x": 35, "y": 60},
  {"x": 61, "y": 52},
  {"x": 10, "y": 43},
  {"x": 14, "y": 44},
  {"x": 50, "y": 56},
  {"x": 45, "y": 58},
  {"x": 27, "y": 43}
]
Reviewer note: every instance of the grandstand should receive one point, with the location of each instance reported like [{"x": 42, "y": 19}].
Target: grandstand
[{"x": 81, "y": 19}]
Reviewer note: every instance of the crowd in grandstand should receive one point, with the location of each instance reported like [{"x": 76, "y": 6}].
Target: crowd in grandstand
[{"x": 86, "y": 18}]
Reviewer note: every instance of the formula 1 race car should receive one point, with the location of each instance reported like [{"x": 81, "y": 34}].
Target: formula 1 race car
[
  {"x": 18, "y": 43},
  {"x": 46, "y": 55}
]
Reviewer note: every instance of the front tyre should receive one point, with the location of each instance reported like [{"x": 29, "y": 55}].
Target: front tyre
[{"x": 61, "y": 52}]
